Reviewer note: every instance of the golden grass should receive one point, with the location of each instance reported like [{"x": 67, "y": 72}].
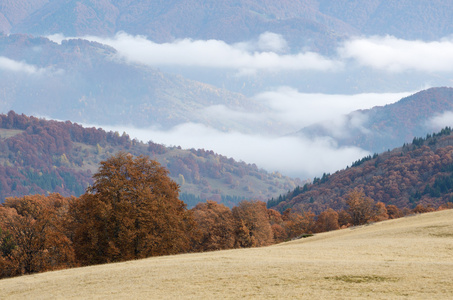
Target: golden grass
[{"x": 410, "y": 257}]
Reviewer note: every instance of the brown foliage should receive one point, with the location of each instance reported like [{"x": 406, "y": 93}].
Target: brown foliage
[
  {"x": 297, "y": 224},
  {"x": 393, "y": 212},
  {"x": 36, "y": 225},
  {"x": 380, "y": 212},
  {"x": 253, "y": 227},
  {"x": 215, "y": 226},
  {"x": 327, "y": 221},
  {"x": 344, "y": 219},
  {"x": 132, "y": 211},
  {"x": 361, "y": 208},
  {"x": 420, "y": 209},
  {"x": 278, "y": 229}
]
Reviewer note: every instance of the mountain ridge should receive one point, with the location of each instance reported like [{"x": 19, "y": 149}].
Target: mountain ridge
[
  {"x": 416, "y": 173},
  {"x": 323, "y": 22},
  {"x": 86, "y": 79},
  {"x": 40, "y": 157},
  {"x": 386, "y": 127}
]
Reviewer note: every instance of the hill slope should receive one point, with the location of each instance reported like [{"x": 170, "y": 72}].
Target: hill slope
[
  {"x": 39, "y": 157},
  {"x": 386, "y": 127},
  {"x": 417, "y": 173},
  {"x": 408, "y": 257}
]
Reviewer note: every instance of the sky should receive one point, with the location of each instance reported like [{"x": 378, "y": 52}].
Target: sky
[{"x": 289, "y": 108}]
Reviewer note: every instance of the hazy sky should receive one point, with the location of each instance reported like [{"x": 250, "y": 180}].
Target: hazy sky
[{"x": 291, "y": 109}]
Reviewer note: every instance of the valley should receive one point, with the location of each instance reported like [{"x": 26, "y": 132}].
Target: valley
[{"x": 226, "y": 149}]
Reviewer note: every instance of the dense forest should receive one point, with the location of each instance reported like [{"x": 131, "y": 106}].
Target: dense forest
[
  {"x": 133, "y": 211},
  {"x": 419, "y": 173},
  {"x": 39, "y": 156}
]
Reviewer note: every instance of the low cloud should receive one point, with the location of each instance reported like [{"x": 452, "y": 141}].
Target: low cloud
[
  {"x": 298, "y": 157},
  {"x": 441, "y": 121},
  {"x": 396, "y": 55},
  {"x": 290, "y": 110},
  {"x": 298, "y": 110},
  {"x": 270, "y": 52},
  {"x": 261, "y": 55},
  {"x": 266, "y": 42},
  {"x": 18, "y": 66}
]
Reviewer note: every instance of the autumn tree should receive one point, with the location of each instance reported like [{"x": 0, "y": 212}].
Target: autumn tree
[
  {"x": 380, "y": 212},
  {"x": 327, "y": 221},
  {"x": 420, "y": 209},
  {"x": 252, "y": 223},
  {"x": 393, "y": 212},
  {"x": 131, "y": 211},
  {"x": 215, "y": 226},
  {"x": 361, "y": 208},
  {"x": 278, "y": 229},
  {"x": 297, "y": 224},
  {"x": 344, "y": 219},
  {"x": 36, "y": 237}
]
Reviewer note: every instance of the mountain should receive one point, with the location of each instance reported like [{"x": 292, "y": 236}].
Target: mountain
[
  {"x": 165, "y": 21},
  {"x": 417, "y": 173},
  {"x": 39, "y": 157},
  {"x": 87, "y": 83},
  {"x": 315, "y": 23},
  {"x": 406, "y": 19},
  {"x": 386, "y": 127}
]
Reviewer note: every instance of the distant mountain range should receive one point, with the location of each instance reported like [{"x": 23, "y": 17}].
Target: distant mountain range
[
  {"x": 386, "y": 127},
  {"x": 315, "y": 23},
  {"x": 84, "y": 82}
]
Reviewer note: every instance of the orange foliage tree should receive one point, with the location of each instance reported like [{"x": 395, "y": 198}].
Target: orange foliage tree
[
  {"x": 278, "y": 229},
  {"x": 361, "y": 208},
  {"x": 35, "y": 234},
  {"x": 215, "y": 226},
  {"x": 253, "y": 227},
  {"x": 297, "y": 224},
  {"x": 394, "y": 212},
  {"x": 327, "y": 221},
  {"x": 131, "y": 211}
]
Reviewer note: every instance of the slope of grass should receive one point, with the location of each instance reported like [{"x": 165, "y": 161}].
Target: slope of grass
[{"x": 410, "y": 257}]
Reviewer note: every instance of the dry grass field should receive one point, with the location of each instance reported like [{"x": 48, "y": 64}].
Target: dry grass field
[{"x": 410, "y": 258}]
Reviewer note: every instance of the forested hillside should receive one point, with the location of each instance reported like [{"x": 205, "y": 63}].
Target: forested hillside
[
  {"x": 419, "y": 173},
  {"x": 40, "y": 156}
]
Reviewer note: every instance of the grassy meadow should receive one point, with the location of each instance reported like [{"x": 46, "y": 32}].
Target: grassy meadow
[{"x": 411, "y": 257}]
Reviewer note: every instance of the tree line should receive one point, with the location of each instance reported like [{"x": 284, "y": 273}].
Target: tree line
[{"x": 132, "y": 211}]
